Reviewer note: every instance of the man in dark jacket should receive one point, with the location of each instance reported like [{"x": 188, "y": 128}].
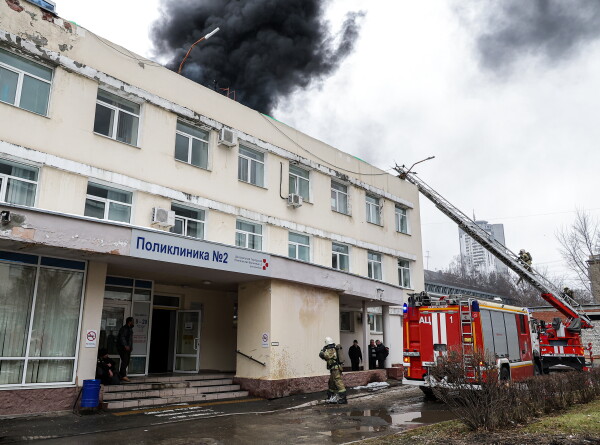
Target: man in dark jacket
[
  {"x": 124, "y": 346},
  {"x": 372, "y": 355},
  {"x": 105, "y": 369},
  {"x": 355, "y": 355},
  {"x": 381, "y": 352}
]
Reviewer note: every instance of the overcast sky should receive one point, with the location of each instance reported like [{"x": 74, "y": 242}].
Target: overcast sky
[{"x": 514, "y": 131}]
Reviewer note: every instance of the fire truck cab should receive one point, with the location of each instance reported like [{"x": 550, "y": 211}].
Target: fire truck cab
[{"x": 435, "y": 327}]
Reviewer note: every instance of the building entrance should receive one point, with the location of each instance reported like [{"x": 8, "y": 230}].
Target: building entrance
[
  {"x": 162, "y": 344},
  {"x": 187, "y": 344}
]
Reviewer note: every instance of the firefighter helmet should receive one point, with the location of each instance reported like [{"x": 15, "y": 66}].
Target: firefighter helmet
[{"x": 329, "y": 341}]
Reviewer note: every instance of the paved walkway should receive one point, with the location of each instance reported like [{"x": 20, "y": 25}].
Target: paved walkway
[{"x": 301, "y": 419}]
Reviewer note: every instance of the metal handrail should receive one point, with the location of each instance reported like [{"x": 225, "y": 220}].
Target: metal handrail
[{"x": 251, "y": 358}]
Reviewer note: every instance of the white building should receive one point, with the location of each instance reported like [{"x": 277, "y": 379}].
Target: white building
[
  {"x": 474, "y": 256},
  {"x": 128, "y": 190}
]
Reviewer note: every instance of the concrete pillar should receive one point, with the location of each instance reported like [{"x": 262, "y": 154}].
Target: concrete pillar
[
  {"x": 387, "y": 328},
  {"x": 93, "y": 301},
  {"x": 365, "y": 337}
]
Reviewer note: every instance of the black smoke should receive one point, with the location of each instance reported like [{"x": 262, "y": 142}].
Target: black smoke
[
  {"x": 550, "y": 31},
  {"x": 265, "y": 50}
]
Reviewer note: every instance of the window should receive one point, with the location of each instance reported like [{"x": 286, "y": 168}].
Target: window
[
  {"x": 346, "y": 321},
  {"x": 401, "y": 220},
  {"x": 105, "y": 202},
  {"x": 299, "y": 182},
  {"x": 375, "y": 323},
  {"x": 18, "y": 183},
  {"x": 373, "y": 210},
  {"x": 299, "y": 246},
  {"x": 374, "y": 265},
  {"x": 117, "y": 118},
  {"x": 404, "y": 273},
  {"x": 188, "y": 222},
  {"x": 248, "y": 235},
  {"x": 251, "y": 166},
  {"x": 40, "y": 303},
  {"x": 339, "y": 197},
  {"x": 340, "y": 258},
  {"x": 191, "y": 145},
  {"x": 24, "y": 83}
]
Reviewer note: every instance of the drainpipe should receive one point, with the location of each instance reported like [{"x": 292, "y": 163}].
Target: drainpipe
[
  {"x": 387, "y": 331},
  {"x": 365, "y": 339}
]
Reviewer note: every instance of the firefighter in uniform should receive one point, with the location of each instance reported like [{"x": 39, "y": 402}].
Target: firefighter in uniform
[
  {"x": 525, "y": 259},
  {"x": 331, "y": 354},
  {"x": 568, "y": 292}
]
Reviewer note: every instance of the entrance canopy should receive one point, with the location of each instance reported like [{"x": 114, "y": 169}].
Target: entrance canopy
[{"x": 173, "y": 259}]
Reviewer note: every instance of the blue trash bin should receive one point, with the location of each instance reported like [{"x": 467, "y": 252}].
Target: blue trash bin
[{"x": 90, "y": 396}]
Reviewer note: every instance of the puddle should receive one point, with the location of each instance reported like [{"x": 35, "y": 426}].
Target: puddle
[{"x": 398, "y": 417}]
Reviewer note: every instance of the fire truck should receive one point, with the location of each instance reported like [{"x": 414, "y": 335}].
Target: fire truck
[{"x": 521, "y": 345}]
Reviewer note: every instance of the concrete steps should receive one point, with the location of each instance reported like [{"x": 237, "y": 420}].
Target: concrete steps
[{"x": 165, "y": 390}]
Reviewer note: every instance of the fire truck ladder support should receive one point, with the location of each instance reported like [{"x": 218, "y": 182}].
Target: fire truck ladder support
[
  {"x": 466, "y": 330},
  {"x": 558, "y": 299}
]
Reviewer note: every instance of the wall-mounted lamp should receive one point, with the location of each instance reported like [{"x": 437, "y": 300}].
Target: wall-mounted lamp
[{"x": 379, "y": 294}]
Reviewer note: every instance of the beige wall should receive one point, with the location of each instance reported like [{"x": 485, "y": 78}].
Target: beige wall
[
  {"x": 254, "y": 319},
  {"x": 297, "y": 317},
  {"x": 301, "y": 319},
  {"x": 92, "y": 313},
  {"x": 217, "y": 333}
]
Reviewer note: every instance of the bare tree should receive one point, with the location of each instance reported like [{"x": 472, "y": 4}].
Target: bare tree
[{"x": 579, "y": 242}]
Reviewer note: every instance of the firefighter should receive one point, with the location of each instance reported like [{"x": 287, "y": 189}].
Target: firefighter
[
  {"x": 568, "y": 292},
  {"x": 331, "y": 354},
  {"x": 525, "y": 259}
]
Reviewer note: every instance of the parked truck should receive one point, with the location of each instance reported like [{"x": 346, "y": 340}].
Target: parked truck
[{"x": 520, "y": 345}]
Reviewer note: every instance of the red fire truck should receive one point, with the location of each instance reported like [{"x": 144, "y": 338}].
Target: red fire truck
[{"x": 521, "y": 345}]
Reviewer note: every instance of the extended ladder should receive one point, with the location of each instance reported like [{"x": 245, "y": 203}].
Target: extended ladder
[{"x": 558, "y": 299}]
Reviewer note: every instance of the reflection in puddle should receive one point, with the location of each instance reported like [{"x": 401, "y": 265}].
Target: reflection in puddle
[{"x": 393, "y": 418}]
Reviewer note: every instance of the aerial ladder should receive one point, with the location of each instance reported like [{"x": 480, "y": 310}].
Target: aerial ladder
[{"x": 576, "y": 318}]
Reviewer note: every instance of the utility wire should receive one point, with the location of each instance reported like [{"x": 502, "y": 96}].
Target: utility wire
[{"x": 319, "y": 158}]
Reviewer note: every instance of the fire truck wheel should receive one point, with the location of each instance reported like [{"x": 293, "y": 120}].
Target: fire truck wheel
[{"x": 504, "y": 373}]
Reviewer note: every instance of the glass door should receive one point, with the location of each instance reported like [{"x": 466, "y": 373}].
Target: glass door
[
  {"x": 187, "y": 342},
  {"x": 113, "y": 318}
]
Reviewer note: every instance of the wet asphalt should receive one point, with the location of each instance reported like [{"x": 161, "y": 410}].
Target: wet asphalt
[{"x": 301, "y": 419}]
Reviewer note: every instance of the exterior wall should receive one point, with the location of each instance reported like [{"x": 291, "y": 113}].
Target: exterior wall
[
  {"x": 254, "y": 319},
  {"x": 92, "y": 313},
  {"x": 217, "y": 334},
  {"x": 301, "y": 317},
  {"x": 594, "y": 274},
  {"x": 71, "y": 198}
]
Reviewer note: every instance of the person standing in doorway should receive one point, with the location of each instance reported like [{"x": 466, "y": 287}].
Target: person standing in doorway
[
  {"x": 124, "y": 346},
  {"x": 381, "y": 352},
  {"x": 355, "y": 355},
  {"x": 372, "y": 355}
]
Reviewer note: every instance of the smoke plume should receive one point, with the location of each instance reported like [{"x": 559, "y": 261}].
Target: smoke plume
[
  {"x": 265, "y": 50},
  {"x": 548, "y": 30}
]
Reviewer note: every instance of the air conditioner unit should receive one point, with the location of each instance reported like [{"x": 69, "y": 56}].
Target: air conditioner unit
[
  {"x": 227, "y": 137},
  {"x": 294, "y": 200},
  {"x": 163, "y": 218}
]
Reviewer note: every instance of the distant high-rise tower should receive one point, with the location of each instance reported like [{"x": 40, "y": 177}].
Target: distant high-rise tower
[{"x": 476, "y": 257}]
